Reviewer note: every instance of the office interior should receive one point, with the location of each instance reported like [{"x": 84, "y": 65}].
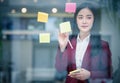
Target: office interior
[{"x": 24, "y": 60}]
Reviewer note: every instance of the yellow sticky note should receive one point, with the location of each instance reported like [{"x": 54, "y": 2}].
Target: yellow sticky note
[
  {"x": 42, "y": 17},
  {"x": 65, "y": 27},
  {"x": 75, "y": 71},
  {"x": 44, "y": 37}
]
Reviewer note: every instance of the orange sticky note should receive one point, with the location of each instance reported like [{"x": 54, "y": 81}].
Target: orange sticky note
[
  {"x": 70, "y": 7},
  {"x": 65, "y": 27},
  {"x": 44, "y": 37},
  {"x": 42, "y": 17}
]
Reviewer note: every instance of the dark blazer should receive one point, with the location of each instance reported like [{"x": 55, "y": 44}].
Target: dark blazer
[{"x": 97, "y": 59}]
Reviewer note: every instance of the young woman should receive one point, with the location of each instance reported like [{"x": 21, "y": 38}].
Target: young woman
[{"x": 90, "y": 54}]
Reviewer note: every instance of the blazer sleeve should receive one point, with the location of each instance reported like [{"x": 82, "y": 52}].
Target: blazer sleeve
[
  {"x": 61, "y": 61},
  {"x": 105, "y": 68}
]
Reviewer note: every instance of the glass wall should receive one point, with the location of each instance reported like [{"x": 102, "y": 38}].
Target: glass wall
[{"x": 23, "y": 59}]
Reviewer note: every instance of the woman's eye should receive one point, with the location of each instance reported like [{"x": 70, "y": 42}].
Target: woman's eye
[
  {"x": 80, "y": 17},
  {"x": 89, "y": 17}
]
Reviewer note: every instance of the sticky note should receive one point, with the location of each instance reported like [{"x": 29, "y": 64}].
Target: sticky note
[
  {"x": 75, "y": 71},
  {"x": 70, "y": 7},
  {"x": 42, "y": 17},
  {"x": 65, "y": 27},
  {"x": 44, "y": 37}
]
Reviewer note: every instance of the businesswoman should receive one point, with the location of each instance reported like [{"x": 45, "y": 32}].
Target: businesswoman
[{"x": 90, "y": 54}]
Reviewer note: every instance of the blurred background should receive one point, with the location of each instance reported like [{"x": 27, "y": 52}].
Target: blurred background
[{"x": 24, "y": 60}]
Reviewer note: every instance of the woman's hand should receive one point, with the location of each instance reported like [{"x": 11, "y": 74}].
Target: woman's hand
[
  {"x": 63, "y": 40},
  {"x": 82, "y": 75}
]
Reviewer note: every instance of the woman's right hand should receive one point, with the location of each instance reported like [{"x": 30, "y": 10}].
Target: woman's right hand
[{"x": 63, "y": 40}]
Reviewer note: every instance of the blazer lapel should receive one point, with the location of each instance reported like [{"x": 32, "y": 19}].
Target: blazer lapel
[{"x": 74, "y": 42}]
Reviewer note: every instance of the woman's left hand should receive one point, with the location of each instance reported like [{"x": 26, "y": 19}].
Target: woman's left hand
[{"x": 82, "y": 75}]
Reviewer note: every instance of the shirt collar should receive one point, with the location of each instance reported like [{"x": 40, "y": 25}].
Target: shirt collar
[{"x": 86, "y": 39}]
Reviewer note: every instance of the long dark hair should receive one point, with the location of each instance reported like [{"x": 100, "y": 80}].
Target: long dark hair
[
  {"x": 95, "y": 40},
  {"x": 95, "y": 9}
]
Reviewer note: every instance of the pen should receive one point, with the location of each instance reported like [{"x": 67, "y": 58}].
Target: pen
[{"x": 70, "y": 44}]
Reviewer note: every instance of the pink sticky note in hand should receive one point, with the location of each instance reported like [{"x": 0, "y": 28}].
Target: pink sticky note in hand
[{"x": 70, "y": 7}]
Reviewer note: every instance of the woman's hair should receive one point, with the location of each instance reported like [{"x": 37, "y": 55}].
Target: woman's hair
[
  {"x": 91, "y": 6},
  {"x": 95, "y": 39}
]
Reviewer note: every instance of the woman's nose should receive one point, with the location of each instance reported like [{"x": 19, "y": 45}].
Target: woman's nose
[{"x": 84, "y": 20}]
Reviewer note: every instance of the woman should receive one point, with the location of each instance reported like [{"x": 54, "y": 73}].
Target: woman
[{"x": 90, "y": 54}]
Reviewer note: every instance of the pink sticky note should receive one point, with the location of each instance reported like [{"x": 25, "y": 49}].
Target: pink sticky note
[{"x": 70, "y": 7}]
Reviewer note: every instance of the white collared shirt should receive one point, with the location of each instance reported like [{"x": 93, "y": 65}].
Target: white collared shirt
[{"x": 80, "y": 50}]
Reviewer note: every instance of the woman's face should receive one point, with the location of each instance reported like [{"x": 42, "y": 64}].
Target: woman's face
[{"x": 85, "y": 20}]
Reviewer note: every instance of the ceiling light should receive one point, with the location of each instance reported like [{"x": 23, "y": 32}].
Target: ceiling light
[
  {"x": 1, "y": 0},
  {"x": 54, "y": 10},
  {"x": 35, "y": 1},
  {"x": 24, "y": 10},
  {"x": 13, "y": 11}
]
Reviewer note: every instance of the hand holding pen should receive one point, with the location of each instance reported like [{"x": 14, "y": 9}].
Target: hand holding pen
[{"x": 63, "y": 39}]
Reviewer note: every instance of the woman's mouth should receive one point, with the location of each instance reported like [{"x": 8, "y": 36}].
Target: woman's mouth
[{"x": 84, "y": 26}]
